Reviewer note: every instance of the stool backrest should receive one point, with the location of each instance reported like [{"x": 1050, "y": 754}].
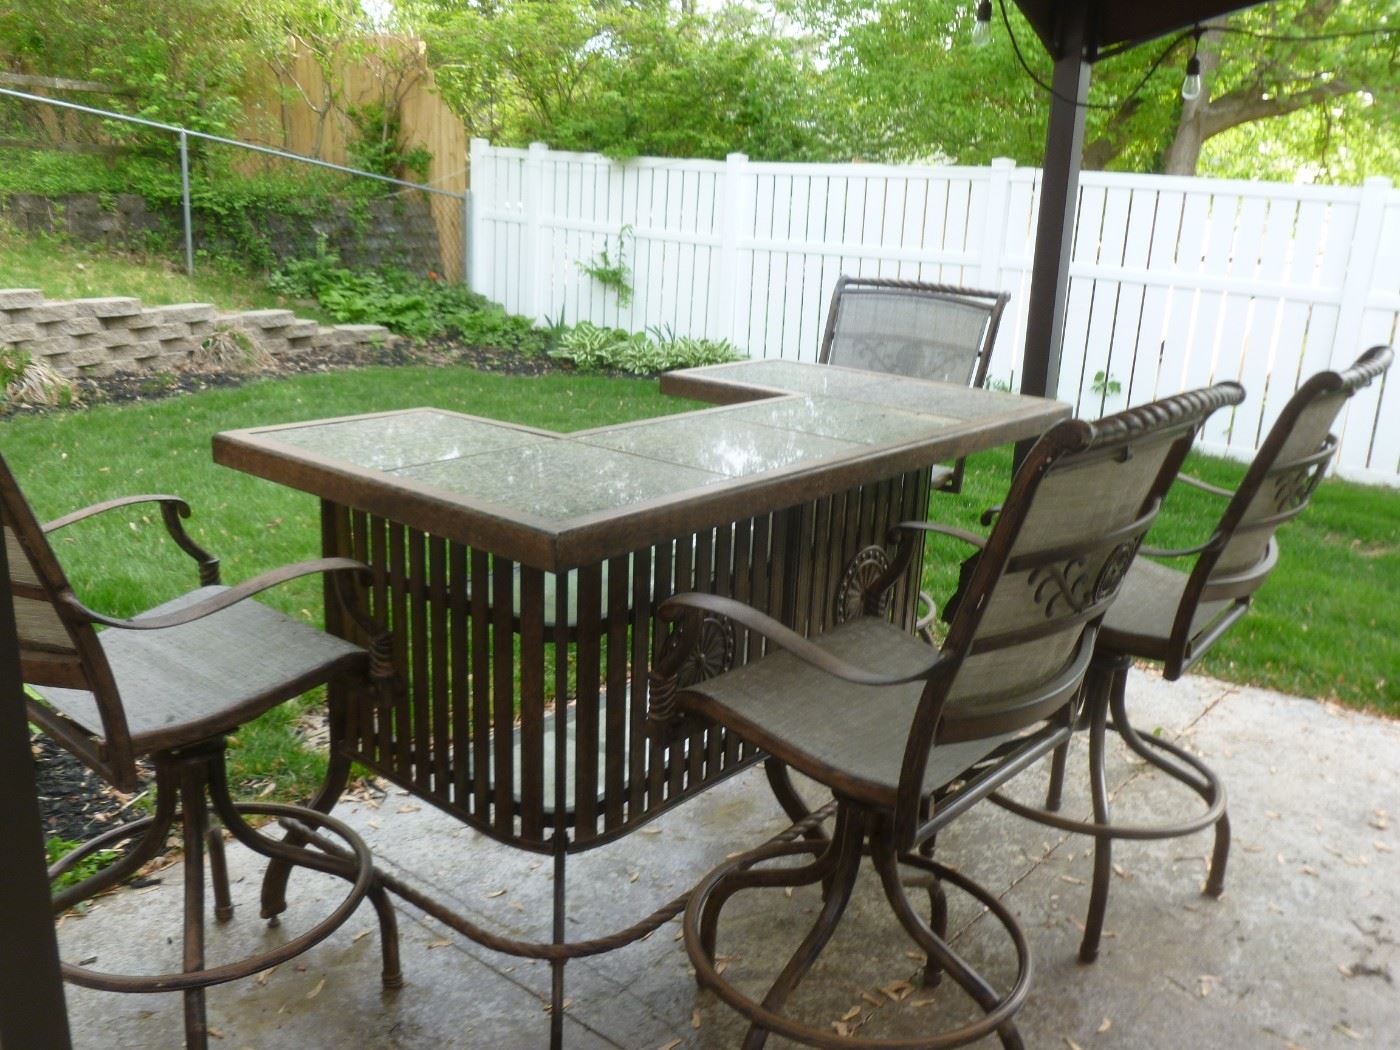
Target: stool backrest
[
  {"x": 1277, "y": 486},
  {"x": 57, "y": 647}
]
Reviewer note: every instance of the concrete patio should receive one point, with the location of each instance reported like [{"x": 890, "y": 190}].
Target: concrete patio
[{"x": 1301, "y": 951}]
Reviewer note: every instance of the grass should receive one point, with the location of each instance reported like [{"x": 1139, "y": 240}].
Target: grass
[{"x": 64, "y": 270}]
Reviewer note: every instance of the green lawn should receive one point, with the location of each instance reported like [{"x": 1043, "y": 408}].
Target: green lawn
[{"x": 63, "y": 270}]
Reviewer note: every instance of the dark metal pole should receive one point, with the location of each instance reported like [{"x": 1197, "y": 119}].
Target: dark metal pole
[
  {"x": 32, "y": 1011},
  {"x": 1059, "y": 198}
]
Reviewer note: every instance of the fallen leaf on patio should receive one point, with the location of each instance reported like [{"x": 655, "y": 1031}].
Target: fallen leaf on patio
[
  {"x": 1341, "y": 1026},
  {"x": 679, "y": 935},
  {"x": 1344, "y": 970},
  {"x": 409, "y": 809},
  {"x": 916, "y": 956},
  {"x": 671, "y": 1045},
  {"x": 873, "y": 1000},
  {"x": 787, "y": 892},
  {"x": 496, "y": 893},
  {"x": 1383, "y": 847},
  {"x": 317, "y": 990},
  {"x": 851, "y": 1014},
  {"x": 444, "y": 943},
  {"x": 720, "y": 968},
  {"x": 1271, "y": 814},
  {"x": 1308, "y": 869},
  {"x": 1071, "y": 880},
  {"x": 898, "y": 990},
  {"x": 842, "y": 1028},
  {"x": 652, "y": 831},
  {"x": 1275, "y": 908},
  {"x": 361, "y": 935},
  {"x": 1280, "y": 858},
  {"x": 1380, "y": 820},
  {"x": 1104, "y": 1026},
  {"x": 634, "y": 876},
  {"x": 922, "y": 1002},
  {"x": 263, "y": 977},
  {"x": 1075, "y": 923},
  {"x": 217, "y": 1033},
  {"x": 1072, "y": 1044},
  {"x": 517, "y": 906},
  {"x": 1121, "y": 871},
  {"x": 373, "y": 823},
  {"x": 695, "y": 1018},
  {"x": 1205, "y": 984}
]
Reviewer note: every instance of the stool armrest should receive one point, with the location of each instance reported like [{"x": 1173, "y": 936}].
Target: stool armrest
[
  {"x": 695, "y": 605},
  {"x": 172, "y": 510},
  {"x": 1197, "y": 483}
]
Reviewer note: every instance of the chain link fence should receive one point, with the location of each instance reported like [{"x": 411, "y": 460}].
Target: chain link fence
[{"x": 119, "y": 181}]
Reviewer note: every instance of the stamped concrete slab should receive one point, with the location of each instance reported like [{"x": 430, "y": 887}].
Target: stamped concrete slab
[{"x": 1300, "y": 951}]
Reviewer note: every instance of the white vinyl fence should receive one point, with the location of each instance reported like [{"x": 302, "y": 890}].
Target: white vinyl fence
[{"x": 1174, "y": 282}]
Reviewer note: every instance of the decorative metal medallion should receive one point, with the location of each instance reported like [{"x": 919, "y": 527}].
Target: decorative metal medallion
[
  {"x": 1114, "y": 568},
  {"x": 711, "y": 655},
  {"x": 1063, "y": 584},
  {"x": 861, "y": 573}
]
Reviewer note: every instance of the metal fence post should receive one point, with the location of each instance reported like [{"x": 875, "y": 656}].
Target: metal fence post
[{"x": 185, "y": 201}]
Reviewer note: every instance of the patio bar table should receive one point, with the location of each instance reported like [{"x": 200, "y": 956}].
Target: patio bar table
[{"x": 501, "y": 553}]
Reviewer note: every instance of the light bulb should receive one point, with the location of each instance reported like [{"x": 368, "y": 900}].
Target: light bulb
[
  {"x": 982, "y": 28},
  {"x": 1191, "y": 86}
]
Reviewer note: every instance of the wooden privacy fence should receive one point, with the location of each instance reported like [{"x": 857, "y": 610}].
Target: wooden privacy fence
[{"x": 1175, "y": 282}]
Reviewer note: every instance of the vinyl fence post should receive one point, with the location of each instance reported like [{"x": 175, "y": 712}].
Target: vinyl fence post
[
  {"x": 467, "y": 238},
  {"x": 726, "y": 324},
  {"x": 530, "y": 237},
  {"x": 185, "y": 201},
  {"x": 1360, "y": 269}
]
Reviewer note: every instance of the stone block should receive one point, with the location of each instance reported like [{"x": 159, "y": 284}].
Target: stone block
[
  {"x": 361, "y": 334},
  {"x": 113, "y": 306},
  {"x": 47, "y": 313},
  {"x": 330, "y": 338},
  {"x": 74, "y": 326},
  {"x": 87, "y": 357},
  {"x": 264, "y": 318},
  {"x": 100, "y": 368},
  {"x": 183, "y": 347},
  {"x": 18, "y": 333},
  {"x": 169, "y": 331},
  {"x": 182, "y": 313},
  {"x": 54, "y": 344},
  {"x": 20, "y": 298},
  {"x": 301, "y": 329},
  {"x": 166, "y": 362},
  {"x": 147, "y": 318}
]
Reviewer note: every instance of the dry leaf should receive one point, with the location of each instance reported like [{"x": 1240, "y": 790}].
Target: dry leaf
[
  {"x": 1341, "y": 1026},
  {"x": 1383, "y": 847},
  {"x": 871, "y": 999},
  {"x": 317, "y": 990},
  {"x": 263, "y": 977},
  {"x": 898, "y": 990},
  {"x": 496, "y": 893},
  {"x": 1072, "y": 1044},
  {"x": 787, "y": 892},
  {"x": 653, "y": 831},
  {"x": 1071, "y": 880},
  {"x": 362, "y": 934},
  {"x": 1344, "y": 969},
  {"x": 1205, "y": 984},
  {"x": 1380, "y": 820},
  {"x": 672, "y": 1044},
  {"x": 695, "y": 1018},
  {"x": 922, "y": 1002},
  {"x": 842, "y": 1028},
  {"x": 1308, "y": 869},
  {"x": 851, "y": 1014},
  {"x": 217, "y": 1033},
  {"x": 634, "y": 876},
  {"x": 444, "y": 943},
  {"x": 409, "y": 809},
  {"x": 1104, "y": 1026},
  {"x": 1121, "y": 871}
]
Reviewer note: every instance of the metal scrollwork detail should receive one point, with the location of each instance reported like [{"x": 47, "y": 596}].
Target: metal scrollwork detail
[
  {"x": 1114, "y": 568},
  {"x": 1066, "y": 583},
  {"x": 861, "y": 573},
  {"x": 1295, "y": 487},
  {"x": 711, "y": 655}
]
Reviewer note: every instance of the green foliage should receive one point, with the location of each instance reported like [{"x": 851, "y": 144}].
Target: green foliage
[
  {"x": 378, "y": 147},
  {"x": 594, "y": 348},
  {"x": 628, "y": 78},
  {"x": 612, "y": 271},
  {"x": 1105, "y": 386},
  {"x": 56, "y": 849}
]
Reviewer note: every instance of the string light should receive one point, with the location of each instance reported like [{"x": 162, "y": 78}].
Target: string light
[
  {"x": 982, "y": 28},
  {"x": 1191, "y": 85}
]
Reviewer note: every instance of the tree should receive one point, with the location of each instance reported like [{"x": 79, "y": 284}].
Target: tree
[
  {"x": 919, "y": 89},
  {"x": 630, "y": 77}
]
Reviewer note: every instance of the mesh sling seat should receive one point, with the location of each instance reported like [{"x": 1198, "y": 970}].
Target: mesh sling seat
[
  {"x": 1174, "y": 615},
  {"x": 167, "y": 686},
  {"x": 908, "y": 748}
]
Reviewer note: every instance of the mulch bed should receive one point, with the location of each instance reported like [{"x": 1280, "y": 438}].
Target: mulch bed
[{"x": 75, "y": 802}]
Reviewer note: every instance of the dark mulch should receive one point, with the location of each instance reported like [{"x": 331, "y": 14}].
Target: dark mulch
[{"x": 74, "y": 802}]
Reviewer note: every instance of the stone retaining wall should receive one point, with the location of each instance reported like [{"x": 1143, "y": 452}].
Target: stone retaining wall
[
  {"x": 386, "y": 231},
  {"x": 95, "y": 337}
]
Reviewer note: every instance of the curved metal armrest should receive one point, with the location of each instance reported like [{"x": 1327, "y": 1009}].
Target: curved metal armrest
[
  {"x": 694, "y": 605},
  {"x": 990, "y": 514},
  {"x": 943, "y": 530},
  {"x": 1177, "y": 552},
  {"x": 172, "y": 510},
  {"x": 1197, "y": 483},
  {"x": 216, "y": 602}
]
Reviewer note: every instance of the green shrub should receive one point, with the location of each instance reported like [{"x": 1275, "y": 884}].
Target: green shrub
[{"x": 591, "y": 347}]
